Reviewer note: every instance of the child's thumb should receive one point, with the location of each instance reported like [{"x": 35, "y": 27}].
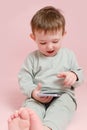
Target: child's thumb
[{"x": 39, "y": 86}]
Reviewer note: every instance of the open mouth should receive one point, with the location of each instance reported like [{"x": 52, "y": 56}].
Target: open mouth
[{"x": 50, "y": 52}]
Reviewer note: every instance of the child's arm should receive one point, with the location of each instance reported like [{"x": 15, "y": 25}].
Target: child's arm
[
  {"x": 73, "y": 75},
  {"x": 26, "y": 77},
  {"x": 76, "y": 69}
]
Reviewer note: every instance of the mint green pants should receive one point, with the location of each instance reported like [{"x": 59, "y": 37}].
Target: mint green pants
[{"x": 55, "y": 115}]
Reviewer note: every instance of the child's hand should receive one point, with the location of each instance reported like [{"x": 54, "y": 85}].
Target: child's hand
[
  {"x": 69, "y": 78},
  {"x": 40, "y": 99}
]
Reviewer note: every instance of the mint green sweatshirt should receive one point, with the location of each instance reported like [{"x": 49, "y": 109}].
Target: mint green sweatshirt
[{"x": 37, "y": 68}]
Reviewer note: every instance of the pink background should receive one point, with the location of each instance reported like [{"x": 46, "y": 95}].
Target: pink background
[{"x": 16, "y": 44}]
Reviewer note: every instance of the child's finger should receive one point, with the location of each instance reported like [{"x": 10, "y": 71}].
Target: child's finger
[{"x": 61, "y": 75}]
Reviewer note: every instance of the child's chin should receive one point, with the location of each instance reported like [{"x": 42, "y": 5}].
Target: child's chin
[{"x": 50, "y": 55}]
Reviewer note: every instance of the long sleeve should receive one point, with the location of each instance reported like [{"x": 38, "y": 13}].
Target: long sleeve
[
  {"x": 26, "y": 76},
  {"x": 38, "y": 68},
  {"x": 76, "y": 69}
]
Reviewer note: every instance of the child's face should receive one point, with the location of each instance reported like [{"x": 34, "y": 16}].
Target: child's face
[{"x": 49, "y": 43}]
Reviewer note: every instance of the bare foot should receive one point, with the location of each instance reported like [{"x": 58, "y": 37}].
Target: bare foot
[
  {"x": 35, "y": 122},
  {"x": 19, "y": 121},
  {"x": 24, "y": 119}
]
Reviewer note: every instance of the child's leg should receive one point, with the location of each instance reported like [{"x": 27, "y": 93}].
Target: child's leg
[
  {"x": 25, "y": 119},
  {"x": 38, "y": 107},
  {"x": 35, "y": 121},
  {"x": 60, "y": 113}
]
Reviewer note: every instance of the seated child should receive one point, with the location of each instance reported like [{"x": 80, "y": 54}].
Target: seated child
[{"x": 50, "y": 69}]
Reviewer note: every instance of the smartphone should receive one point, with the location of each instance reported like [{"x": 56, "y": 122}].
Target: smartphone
[{"x": 48, "y": 94}]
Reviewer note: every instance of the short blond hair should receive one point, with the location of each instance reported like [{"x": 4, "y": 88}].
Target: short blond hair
[{"x": 48, "y": 19}]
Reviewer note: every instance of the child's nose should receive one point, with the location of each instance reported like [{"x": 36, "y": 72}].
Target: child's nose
[{"x": 50, "y": 47}]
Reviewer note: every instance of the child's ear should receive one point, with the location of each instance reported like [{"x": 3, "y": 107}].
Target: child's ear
[
  {"x": 65, "y": 32},
  {"x": 32, "y": 36}
]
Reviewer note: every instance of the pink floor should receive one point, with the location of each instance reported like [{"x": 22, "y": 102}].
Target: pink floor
[{"x": 11, "y": 99}]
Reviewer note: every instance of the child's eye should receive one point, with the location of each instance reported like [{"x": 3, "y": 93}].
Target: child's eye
[
  {"x": 55, "y": 41},
  {"x": 42, "y": 43}
]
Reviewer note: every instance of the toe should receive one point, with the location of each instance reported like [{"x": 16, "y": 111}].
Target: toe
[{"x": 24, "y": 114}]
